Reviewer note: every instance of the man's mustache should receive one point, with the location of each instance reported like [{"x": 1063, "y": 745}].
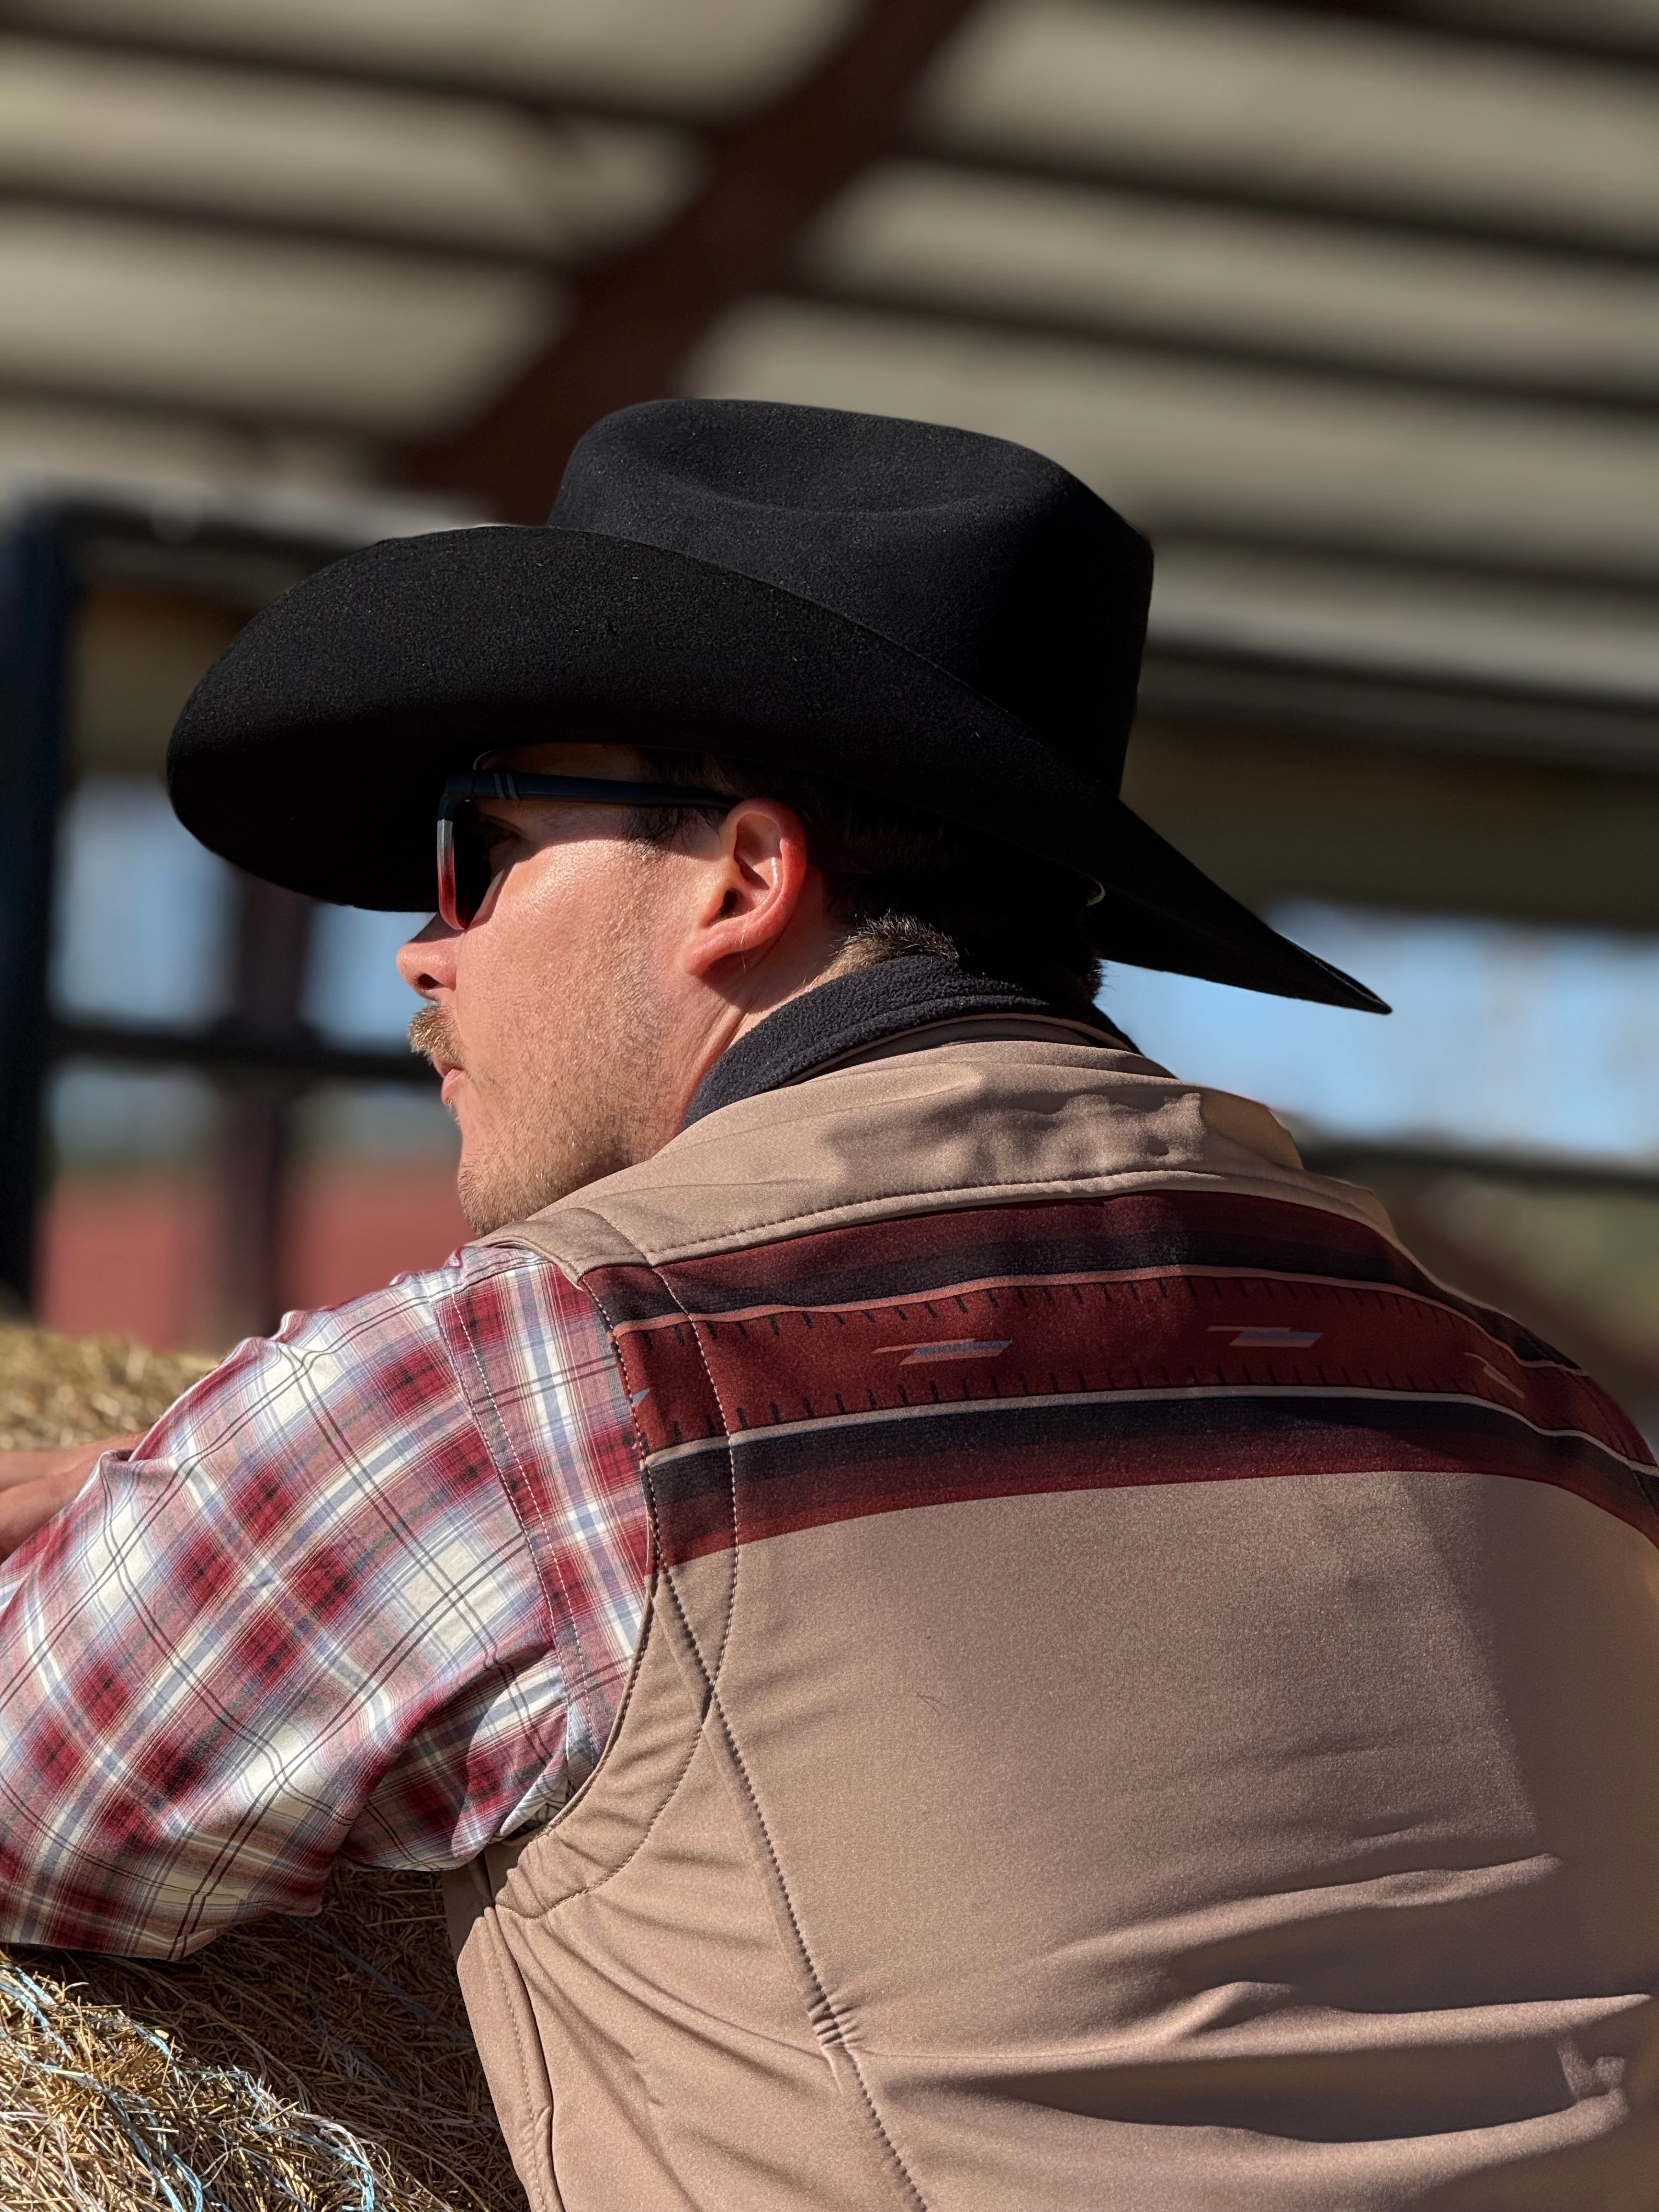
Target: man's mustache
[{"x": 430, "y": 1034}]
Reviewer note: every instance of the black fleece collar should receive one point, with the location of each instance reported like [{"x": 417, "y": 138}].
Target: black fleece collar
[{"x": 854, "y": 1012}]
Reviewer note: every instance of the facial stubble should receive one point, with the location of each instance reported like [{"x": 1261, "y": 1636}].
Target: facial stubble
[{"x": 581, "y": 1096}]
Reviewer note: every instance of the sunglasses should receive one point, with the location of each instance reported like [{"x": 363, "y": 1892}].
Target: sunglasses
[{"x": 466, "y": 867}]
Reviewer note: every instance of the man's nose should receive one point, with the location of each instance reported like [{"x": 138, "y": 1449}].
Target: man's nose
[{"x": 427, "y": 962}]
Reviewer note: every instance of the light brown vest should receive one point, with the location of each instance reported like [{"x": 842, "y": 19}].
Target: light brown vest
[{"x": 1225, "y": 1834}]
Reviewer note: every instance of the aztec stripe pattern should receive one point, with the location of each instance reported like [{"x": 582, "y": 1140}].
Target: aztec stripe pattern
[{"x": 1160, "y": 1337}]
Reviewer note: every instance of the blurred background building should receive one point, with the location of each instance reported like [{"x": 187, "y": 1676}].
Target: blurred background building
[{"x": 1350, "y": 304}]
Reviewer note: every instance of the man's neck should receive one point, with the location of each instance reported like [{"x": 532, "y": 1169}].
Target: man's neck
[{"x": 864, "y": 1005}]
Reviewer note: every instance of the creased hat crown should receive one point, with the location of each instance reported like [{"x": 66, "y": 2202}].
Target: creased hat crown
[{"x": 979, "y": 556}]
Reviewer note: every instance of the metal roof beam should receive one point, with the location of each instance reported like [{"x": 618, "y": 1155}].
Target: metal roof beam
[
  {"x": 1387, "y": 555},
  {"x": 1561, "y": 246},
  {"x": 1606, "y": 398},
  {"x": 1552, "y": 246},
  {"x": 638, "y": 315},
  {"x": 1327, "y": 364},
  {"x": 343, "y": 72},
  {"x": 1382, "y": 557},
  {"x": 1312, "y": 202},
  {"x": 1606, "y": 401},
  {"x": 1559, "y": 37},
  {"x": 178, "y": 211},
  {"x": 137, "y": 402}
]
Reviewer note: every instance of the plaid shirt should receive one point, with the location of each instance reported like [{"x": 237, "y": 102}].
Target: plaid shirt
[{"x": 370, "y": 1590}]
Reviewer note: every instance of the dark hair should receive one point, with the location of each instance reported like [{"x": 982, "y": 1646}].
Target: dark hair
[{"x": 905, "y": 881}]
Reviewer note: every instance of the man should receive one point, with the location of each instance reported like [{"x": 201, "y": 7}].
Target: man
[{"x": 970, "y": 1635}]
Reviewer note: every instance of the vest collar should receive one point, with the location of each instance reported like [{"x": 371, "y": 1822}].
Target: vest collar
[{"x": 872, "y": 1009}]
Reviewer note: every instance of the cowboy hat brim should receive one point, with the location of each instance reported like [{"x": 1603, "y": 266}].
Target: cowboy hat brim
[{"x": 313, "y": 751}]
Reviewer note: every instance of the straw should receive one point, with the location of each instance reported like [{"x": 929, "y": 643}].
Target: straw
[{"x": 71, "y": 1391}]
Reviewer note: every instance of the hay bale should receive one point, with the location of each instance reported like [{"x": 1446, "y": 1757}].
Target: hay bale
[
  {"x": 324, "y": 2064},
  {"x": 72, "y": 1390},
  {"x": 318, "y": 2065}
]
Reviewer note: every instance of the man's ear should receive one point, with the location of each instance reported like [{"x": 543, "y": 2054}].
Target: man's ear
[{"x": 756, "y": 882}]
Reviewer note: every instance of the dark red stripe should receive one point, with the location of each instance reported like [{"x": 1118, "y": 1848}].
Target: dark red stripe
[
  {"x": 1236, "y": 1299},
  {"x": 922, "y": 1256},
  {"x": 1028, "y": 1342}
]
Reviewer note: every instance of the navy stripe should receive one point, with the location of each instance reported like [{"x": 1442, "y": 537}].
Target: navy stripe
[{"x": 813, "y": 1471}]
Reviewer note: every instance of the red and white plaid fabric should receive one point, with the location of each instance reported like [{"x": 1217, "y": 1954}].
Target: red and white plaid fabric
[{"x": 370, "y": 1590}]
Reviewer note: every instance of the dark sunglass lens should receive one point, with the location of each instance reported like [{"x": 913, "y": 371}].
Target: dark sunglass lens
[{"x": 474, "y": 869}]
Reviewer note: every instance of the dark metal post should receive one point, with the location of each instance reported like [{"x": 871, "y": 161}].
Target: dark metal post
[
  {"x": 37, "y": 601},
  {"x": 271, "y": 950}
]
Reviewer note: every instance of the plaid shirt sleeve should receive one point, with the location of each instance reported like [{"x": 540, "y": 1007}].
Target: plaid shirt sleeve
[{"x": 370, "y": 1590}]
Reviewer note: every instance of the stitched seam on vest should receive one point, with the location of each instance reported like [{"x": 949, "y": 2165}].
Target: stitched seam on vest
[
  {"x": 527, "y": 2087},
  {"x": 879, "y": 2125},
  {"x": 589, "y": 1889},
  {"x": 714, "y": 1705},
  {"x": 660, "y": 1580},
  {"x": 635, "y": 1667},
  {"x": 719, "y": 1711},
  {"x": 945, "y": 1197}
]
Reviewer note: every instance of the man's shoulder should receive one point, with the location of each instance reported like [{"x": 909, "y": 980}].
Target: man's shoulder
[
  {"x": 417, "y": 1302},
  {"x": 417, "y": 1352},
  {"x": 993, "y": 1120}
]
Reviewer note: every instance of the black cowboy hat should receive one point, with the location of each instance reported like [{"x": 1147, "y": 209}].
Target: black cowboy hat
[{"x": 921, "y": 613}]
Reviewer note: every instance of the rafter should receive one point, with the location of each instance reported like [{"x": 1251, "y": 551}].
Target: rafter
[
  {"x": 1563, "y": 37},
  {"x": 638, "y": 316},
  {"x": 1315, "y": 202},
  {"x": 1319, "y": 205},
  {"x": 1556, "y": 247},
  {"x": 169, "y": 209},
  {"x": 1103, "y": 333},
  {"x": 1631, "y": 580},
  {"x": 103, "y": 392},
  {"x": 285, "y": 64},
  {"x": 655, "y": 299},
  {"x": 1329, "y": 364}
]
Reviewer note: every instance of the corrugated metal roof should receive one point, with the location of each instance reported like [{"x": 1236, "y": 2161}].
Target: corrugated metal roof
[{"x": 1354, "y": 305}]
